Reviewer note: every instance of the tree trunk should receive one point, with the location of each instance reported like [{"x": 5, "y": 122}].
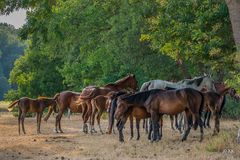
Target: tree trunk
[{"x": 234, "y": 13}]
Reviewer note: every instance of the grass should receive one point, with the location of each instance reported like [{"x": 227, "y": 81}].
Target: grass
[
  {"x": 225, "y": 142},
  {"x": 3, "y": 106}
]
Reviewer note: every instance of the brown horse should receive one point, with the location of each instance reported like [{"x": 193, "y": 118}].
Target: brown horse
[
  {"x": 173, "y": 102},
  {"x": 99, "y": 105},
  {"x": 129, "y": 83},
  {"x": 128, "y": 106},
  {"x": 67, "y": 99},
  {"x": 213, "y": 103},
  {"x": 26, "y": 104},
  {"x": 138, "y": 112},
  {"x": 220, "y": 87},
  {"x": 167, "y": 102}
]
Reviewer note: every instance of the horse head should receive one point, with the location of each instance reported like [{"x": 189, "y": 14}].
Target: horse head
[{"x": 205, "y": 82}]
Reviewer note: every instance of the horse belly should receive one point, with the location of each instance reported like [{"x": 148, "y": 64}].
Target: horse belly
[
  {"x": 140, "y": 113},
  {"x": 171, "y": 108}
]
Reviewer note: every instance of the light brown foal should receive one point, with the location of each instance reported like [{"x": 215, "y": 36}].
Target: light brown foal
[{"x": 26, "y": 104}]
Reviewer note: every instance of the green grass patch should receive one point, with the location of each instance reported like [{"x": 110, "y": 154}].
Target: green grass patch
[{"x": 220, "y": 142}]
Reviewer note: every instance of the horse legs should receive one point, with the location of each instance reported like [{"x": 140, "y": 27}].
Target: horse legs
[
  {"x": 37, "y": 123},
  {"x": 155, "y": 125},
  {"x": 208, "y": 119},
  {"x": 200, "y": 123},
  {"x": 22, "y": 120},
  {"x": 131, "y": 125},
  {"x": 19, "y": 120},
  {"x": 216, "y": 121},
  {"x": 187, "y": 122},
  {"x": 137, "y": 126},
  {"x": 150, "y": 130},
  {"x": 93, "y": 119},
  {"x": 205, "y": 118},
  {"x": 145, "y": 125},
  {"x": 171, "y": 119},
  {"x": 86, "y": 117},
  {"x": 160, "y": 128},
  {"x": 120, "y": 125},
  {"x": 58, "y": 121},
  {"x": 99, "y": 114}
]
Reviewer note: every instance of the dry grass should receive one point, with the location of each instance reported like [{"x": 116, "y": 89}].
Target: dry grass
[
  {"x": 3, "y": 106},
  {"x": 74, "y": 144}
]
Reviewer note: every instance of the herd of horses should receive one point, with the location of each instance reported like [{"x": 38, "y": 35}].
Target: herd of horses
[{"x": 184, "y": 101}]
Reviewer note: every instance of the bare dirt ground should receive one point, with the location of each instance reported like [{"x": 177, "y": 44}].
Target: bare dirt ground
[{"x": 74, "y": 144}]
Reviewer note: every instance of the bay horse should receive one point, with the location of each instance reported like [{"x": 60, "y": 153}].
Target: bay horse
[
  {"x": 198, "y": 83},
  {"x": 220, "y": 87},
  {"x": 67, "y": 100},
  {"x": 173, "y": 102},
  {"x": 26, "y": 104},
  {"x": 133, "y": 106},
  {"x": 129, "y": 83},
  {"x": 214, "y": 104}
]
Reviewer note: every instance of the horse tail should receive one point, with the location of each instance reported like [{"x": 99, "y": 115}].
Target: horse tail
[
  {"x": 12, "y": 105},
  {"x": 200, "y": 110},
  {"x": 56, "y": 96},
  {"x": 111, "y": 113},
  {"x": 50, "y": 110},
  {"x": 222, "y": 105},
  {"x": 145, "y": 86}
]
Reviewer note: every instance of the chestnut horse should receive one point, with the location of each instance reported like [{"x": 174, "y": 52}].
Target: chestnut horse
[
  {"x": 213, "y": 103},
  {"x": 99, "y": 105},
  {"x": 26, "y": 104},
  {"x": 129, "y": 83},
  {"x": 65, "y": 100}
]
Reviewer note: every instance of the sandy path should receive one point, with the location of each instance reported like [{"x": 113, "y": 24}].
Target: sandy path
[{"x": 74, "y": 144}]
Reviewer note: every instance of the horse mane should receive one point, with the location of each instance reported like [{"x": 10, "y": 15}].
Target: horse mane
[
  {"x": 42, "y": 97},
  {"x": 141, "y": 97},
  {"x": 197, "y": 81},
  {"x": 119, "y": 81}
]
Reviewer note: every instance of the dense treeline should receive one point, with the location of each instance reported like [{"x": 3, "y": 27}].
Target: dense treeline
[
  {"x": 10, "y": 49},
  {"x": 75, "y": 43}
]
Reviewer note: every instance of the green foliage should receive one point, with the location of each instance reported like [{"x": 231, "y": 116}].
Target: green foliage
[
  {"x": 10, "y": 49},
  {"x": 231, "y": 109},
  {"x": 76, "y": 43}
]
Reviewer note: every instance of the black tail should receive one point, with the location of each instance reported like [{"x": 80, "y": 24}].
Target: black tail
[
  {"x": 112, "y": 112},
  {"x": 222, "y": 105},
  {"x": 195, "y": 125}
]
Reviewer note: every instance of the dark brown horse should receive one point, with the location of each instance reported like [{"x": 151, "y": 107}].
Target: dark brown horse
[
  {"x": 213, "y": 103},
  {"x": 137, "y": 112},
  {"x": 26, "y": 104},
  {"x": 173, "y": 102},
  {"x": 167, "y": 102},
  {"x": 131, "y": 106},
  {"x": 220, "y": 87},
  {"x": 129, "y": 83},
  {"x": 65, "y": 100}
]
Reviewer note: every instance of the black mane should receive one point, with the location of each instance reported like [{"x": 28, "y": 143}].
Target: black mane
[
  {"x": 140, "y": 97},
  {"x": 196, "y": 81}
]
